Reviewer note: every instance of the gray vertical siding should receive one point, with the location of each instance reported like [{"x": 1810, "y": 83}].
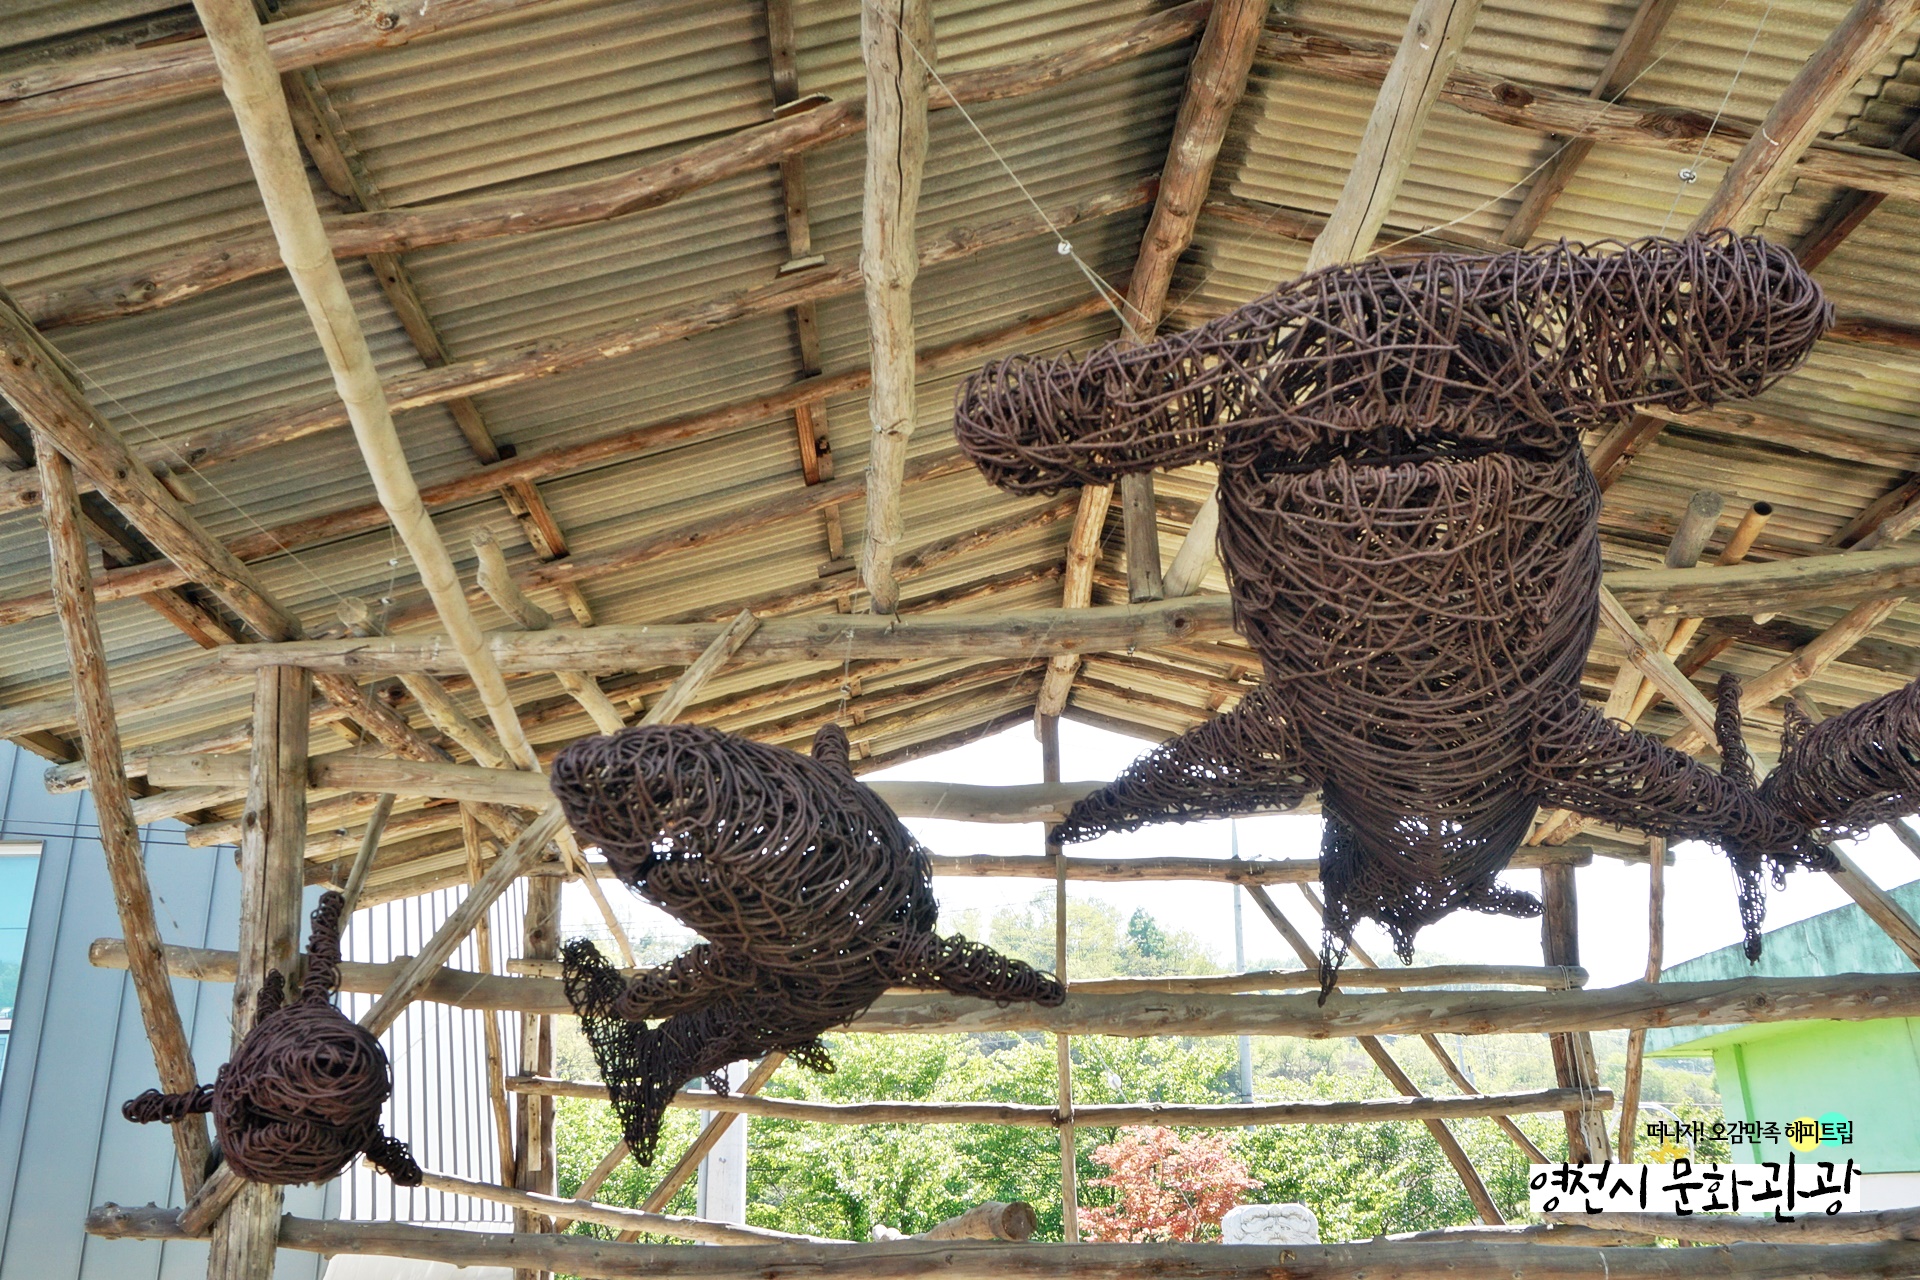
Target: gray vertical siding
[{"x": 77, "y": 1049}]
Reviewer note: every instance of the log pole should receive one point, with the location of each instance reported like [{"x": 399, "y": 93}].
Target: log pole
[{"x": 119, "y": 835}]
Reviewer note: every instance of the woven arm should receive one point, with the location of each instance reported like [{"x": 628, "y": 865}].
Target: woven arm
[
  {"x": 1245, "y": 761},
  {"x": 1592, "y": 766},
  {"x": 1854, "y": 771}
]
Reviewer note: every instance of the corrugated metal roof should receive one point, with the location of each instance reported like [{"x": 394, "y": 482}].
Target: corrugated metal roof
[{"x": 579, "y": 89}]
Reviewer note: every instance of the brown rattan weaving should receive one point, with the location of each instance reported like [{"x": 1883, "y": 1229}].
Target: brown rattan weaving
[{"x": 1409, "y": 531}]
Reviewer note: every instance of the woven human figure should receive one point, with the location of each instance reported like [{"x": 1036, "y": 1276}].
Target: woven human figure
[
  {"x": 1409, "y": 530},
  {"x": 301, "y": 1096},
  {"x": 812, "y": 897}
]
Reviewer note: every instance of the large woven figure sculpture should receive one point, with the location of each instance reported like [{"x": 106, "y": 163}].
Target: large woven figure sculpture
[
  {"x": 811, "y": 896},
  {"x": 301, "y": 1096},
  {"x": 1408, "y": 527}
]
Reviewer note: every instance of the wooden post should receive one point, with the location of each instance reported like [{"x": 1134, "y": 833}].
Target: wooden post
[
  {"x": 1637, "y": 1038},
  {"x": 895, "y": 35},
  {"x": 1049, "y": 727},
  {"x": 119, "y": 835},
  {"x": 272, "y": 849},
  {"x": 490, "y": 1021},
  {"x": 1573, "y": 1060},
  {"x": 535, "y": 1154},
  {"x": 1449, "y": 1145}
]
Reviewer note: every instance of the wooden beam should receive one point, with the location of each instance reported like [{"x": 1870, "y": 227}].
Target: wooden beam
[
  {"x": 1717, "y": 1228},
  {"x": 673, "y": 1226},
  {"x": 420, "y": 970},
  {"x": 119, "y": 835},
  {"x": 127, "y": 77},
  {"x": 792, "y": 133},
  {"x": 1746, "y": 589},
  {"x": 1642, "y": 126},
  {"x": 252, "y": 87},
  {"x": 323, "y": 135},
  {"x": 1420, "y": 69},
  {"x": 271, "y": 853},
  {"x": 1649, "y": 657},
  {"x": 1397, "y": 1077},
  {"x": 497, "y": 581},
  {"x": 719, "y": 651},
  {"x": 545, "y": 359},
  {"x": 1083, "y": 553},
  {"x": 1392, "y": 981},
  {"x": 896, "y": 42},
  {"x": 1881, "y": 907},
  {"x": 1411, "y": 84},
  {"x": 39, "y": 383},
  {"x": 1843, "y": 997},
  {"x": 1026, "y": 634},
  {"x": 1216, "y": 81},
  {"x": 991, "y": 1260},
  {"x": 1863, "y": 37},
  {"x": 1629, "y": 59},
  {"x": 561, "y": 460},
  {"x": 1034, "y": 1116},
  {"x": 353, "y": 771}
]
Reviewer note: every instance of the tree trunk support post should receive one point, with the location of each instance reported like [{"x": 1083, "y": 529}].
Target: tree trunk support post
[
  {"x": 1573, "y": 1060},
  {"x": 272, "y": 851},
  {"x": 119, "y": 835}
]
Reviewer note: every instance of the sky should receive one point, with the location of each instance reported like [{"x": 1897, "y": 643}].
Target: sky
[{"x": 1701, "y": 909}]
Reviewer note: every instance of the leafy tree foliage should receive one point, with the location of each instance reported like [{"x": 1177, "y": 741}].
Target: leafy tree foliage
[{"x": 1166, "y": 1187}]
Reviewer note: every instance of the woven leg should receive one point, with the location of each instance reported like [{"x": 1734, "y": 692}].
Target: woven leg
[
  {"x": 1593, "y": 766},
  {"x": 1245, "y": 761}
]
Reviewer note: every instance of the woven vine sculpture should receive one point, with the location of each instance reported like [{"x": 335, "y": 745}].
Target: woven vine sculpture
[
  {"x": 301, "y": 1096},
  {"x": 812, "y": 897},
  {"x": 1409, "y": 531}
]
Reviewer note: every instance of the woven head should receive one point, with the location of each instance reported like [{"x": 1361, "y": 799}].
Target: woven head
[{"x": 301, "y": 1096}]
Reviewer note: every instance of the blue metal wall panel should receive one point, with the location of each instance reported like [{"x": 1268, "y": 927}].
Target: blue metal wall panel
[{"x": 78, "y": 1051}]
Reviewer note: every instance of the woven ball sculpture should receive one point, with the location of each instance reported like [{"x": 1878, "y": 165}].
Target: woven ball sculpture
[
  {"x": 1409, "y": 529},
  {"x": 812, "y": 897},
  {"x": 301, "y": 1096}
]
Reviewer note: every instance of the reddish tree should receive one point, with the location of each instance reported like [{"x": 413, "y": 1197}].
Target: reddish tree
[{"x": 1167, "y": 1189}]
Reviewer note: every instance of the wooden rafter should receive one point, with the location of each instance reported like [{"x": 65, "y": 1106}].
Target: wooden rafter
[
  {"x": 810, "y": 427},
  {"x": 540, "y": 360},
  {"x": 259, "y": 104},
  {"x": 1630, "y": 57},
  {"x": 1216, "y": 81},
  {"x": 1769, "y": 156},
  {"x": 559, "y": 460},
  {"x": 126, "y": 77},
  {"x": 1436, "y": 30},
  {"x": 896, "y": 42},
  {"x": 324, "y": 136}
]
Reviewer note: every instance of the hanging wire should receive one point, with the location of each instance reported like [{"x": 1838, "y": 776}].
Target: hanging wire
[
  {"x": 1691, "y": 173},
  {"x": 154, "y": 437},
  {"x": 1114, "y": 299}
]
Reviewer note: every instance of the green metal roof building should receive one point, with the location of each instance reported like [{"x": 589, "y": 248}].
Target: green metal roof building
[{"x": 1865, "y": 1072}]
